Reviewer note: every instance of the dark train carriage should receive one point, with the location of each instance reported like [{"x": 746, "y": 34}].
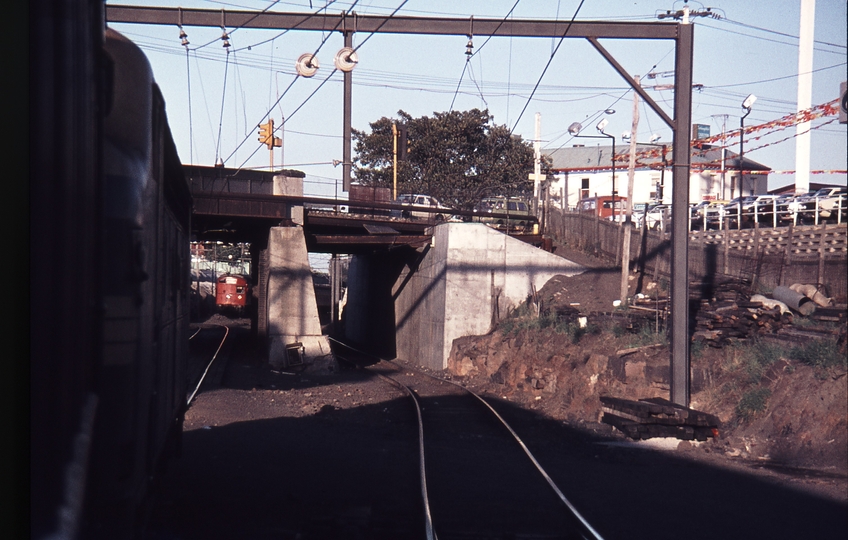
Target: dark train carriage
[
  {"x": 232, "y": 293},
  {"x": 111, "y": 230}
]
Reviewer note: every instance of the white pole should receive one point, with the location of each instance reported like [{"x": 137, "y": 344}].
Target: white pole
[
  {"x": 631, "y": 171},
  {"x": 805, "y": 91},
  {"x": 537, "y": 163}
]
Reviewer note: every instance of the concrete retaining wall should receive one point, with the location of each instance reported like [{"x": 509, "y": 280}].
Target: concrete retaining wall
[{"x": 470, "y": 277}]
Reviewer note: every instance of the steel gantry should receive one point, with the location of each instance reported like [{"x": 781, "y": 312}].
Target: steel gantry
[{"x": 349, "y": 23}]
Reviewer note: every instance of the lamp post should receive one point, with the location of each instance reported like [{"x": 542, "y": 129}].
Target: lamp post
[
  {"x": 747, "y": 104},
  {"x": 575, "y": 128},
  {"x": 600, "y": 127}
]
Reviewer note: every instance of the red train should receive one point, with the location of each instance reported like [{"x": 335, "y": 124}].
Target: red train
[{"x": 232, "y": 293}]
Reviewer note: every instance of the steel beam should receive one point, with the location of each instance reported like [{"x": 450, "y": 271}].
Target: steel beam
[
  {"x": 681, "y": 155},
  {"x": 389, "y": 25}
]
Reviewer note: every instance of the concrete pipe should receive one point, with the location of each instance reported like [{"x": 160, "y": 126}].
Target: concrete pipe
[
  {"x": 794, "y": 300},
  {"x": 812, "y": 292}
]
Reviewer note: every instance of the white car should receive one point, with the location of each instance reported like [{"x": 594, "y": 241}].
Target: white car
[
  {"x": 418, "y": 205},
  {"x": 656, "y": 216}
]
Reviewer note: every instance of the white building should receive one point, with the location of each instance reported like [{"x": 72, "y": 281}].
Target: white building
[{"x": 582, "y": 171}]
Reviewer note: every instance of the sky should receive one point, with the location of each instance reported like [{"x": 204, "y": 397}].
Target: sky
[{"x": 217, "y": 96}]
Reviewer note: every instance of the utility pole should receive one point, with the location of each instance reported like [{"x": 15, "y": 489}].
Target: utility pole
[
  {"x": 537, "y": 164},
  {"x": 805, "y": 91},
  {"x": 722, "y": 193},
  {"x": 628, "y": 209},
  {"x": 394, "y": 160}
]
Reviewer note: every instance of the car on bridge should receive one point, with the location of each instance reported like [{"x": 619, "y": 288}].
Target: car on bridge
[
  {"x": 507, "y": 207},
  {"x": 418, "y": 206}
]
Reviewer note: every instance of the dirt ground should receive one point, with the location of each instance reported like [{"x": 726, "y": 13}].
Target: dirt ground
[{"x": 798, "y": 426}]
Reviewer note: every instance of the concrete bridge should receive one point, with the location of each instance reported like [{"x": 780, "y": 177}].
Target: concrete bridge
[{"x": 413, "y": 285}]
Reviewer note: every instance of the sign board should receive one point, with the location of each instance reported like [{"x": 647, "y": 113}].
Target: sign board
[{"x": 700, "y": 131}]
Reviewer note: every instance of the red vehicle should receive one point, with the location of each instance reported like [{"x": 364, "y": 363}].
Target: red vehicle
[
  {"x": 602, "y": 207},
  {"x": 232, "y": 292}
]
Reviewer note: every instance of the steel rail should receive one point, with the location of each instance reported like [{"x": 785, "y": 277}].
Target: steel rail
[
  {"x": 588, "y": 532},
  {"x": 205, "y": 371}
]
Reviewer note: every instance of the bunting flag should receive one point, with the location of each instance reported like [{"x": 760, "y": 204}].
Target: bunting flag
[{"x": 830, "y": 108}]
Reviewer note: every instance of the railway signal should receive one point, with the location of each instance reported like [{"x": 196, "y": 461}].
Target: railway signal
[{"x": 266, "y": 137}]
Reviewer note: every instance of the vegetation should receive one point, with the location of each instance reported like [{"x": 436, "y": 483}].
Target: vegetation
[
  {"x": 753, "y": 401},
  {"x": 750, "y": 363},
  {"x": 525, "y": 317},
  {"x": 820, "y": 354},
  {"x": 459, "y": 157}
]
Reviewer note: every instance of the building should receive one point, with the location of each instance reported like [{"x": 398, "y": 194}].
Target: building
[{"x": 582, "y": 171}]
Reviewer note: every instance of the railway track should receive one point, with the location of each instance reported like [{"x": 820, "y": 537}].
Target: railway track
[
  {"x": 478, "y": 479},
  {"x": 206, "y": 357}
]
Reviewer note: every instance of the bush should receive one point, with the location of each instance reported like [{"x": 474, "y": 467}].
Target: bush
[{"x": 753, "y": 401}]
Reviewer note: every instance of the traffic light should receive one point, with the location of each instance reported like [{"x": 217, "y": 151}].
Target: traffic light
[
  {"x": 402, "y": 143},
  {"x": 266, "y": 133}
]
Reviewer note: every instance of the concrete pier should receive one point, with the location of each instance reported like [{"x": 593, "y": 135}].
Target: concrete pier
[
  {"x": 292, "y": 310},
  {"x": 469, "y": 278}
]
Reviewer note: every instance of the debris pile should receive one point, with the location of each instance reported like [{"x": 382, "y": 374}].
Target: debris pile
[
  {"x": 658, "y": 417},
  {"x": 731, "y": 314}
]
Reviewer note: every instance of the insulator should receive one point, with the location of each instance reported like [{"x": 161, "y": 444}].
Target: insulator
[{"x": 469, "y": 47}]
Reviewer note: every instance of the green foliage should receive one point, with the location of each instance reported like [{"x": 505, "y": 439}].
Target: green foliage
[
  {"x": 820, "y": 354},
  {"x": 647, "y": 336},
  {"x": 753, "y": 401},
  {"x": 696, "y": 349},
  {"x": 525, "y": 318},
  {"x": 459, "y": 157}
]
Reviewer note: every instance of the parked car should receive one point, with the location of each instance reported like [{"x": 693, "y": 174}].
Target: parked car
[
  {"x": 602, "y": 207},
  {"x": 708, "y": 214},
  {"x": 830, "y": 201},
  {"x": 655, "y": 218},
  {"x": 824, "y": 203},
  {"x": 416, "y": 206},
  {"x": 503, "y": 205},
  {"x": 757, "y": 209}
]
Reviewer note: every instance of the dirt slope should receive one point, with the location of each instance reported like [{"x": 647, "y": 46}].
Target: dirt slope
[{"x": 787, "y": 415}]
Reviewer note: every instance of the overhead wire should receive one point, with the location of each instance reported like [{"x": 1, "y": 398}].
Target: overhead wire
[
  {"x": 820, "y": 42},
  {"x": 470, "y": 56},
  {"x": 305, "y": 101},
  {"x": 323, "y": 41},
  {"x": 766, "y": 39},
  {"x": 221, "y": 118},
  {"x": 573, "y": 17}
]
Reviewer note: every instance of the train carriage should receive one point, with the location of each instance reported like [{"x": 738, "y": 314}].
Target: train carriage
[
  {"x": 111, "y": 217},
  {"x": 232, "y": 293}
]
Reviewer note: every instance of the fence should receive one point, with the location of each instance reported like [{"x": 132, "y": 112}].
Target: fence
[{"x": 764, "y": 257}]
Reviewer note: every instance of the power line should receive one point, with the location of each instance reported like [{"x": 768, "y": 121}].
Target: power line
[
  {"x": 470, "y": 56},
  {"x": 840, "y": 46},
  {"x": 766, "y": 39},
  {"x": 323, "y": 41},
  {"x": 547, "y": 65}
]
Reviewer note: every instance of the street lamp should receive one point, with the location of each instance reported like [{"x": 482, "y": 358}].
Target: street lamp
[
  {"x": 747, "y": 104},
  {"x": 575, "y": 128}
]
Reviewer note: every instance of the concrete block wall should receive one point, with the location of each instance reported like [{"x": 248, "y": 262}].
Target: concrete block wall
[{"x": 468, "y": 279}]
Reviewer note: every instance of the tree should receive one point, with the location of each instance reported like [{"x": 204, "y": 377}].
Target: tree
[{"x": 459, "y": 157}]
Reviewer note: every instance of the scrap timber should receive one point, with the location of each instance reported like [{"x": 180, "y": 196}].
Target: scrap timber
[{"x": 658, "y": 417}]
